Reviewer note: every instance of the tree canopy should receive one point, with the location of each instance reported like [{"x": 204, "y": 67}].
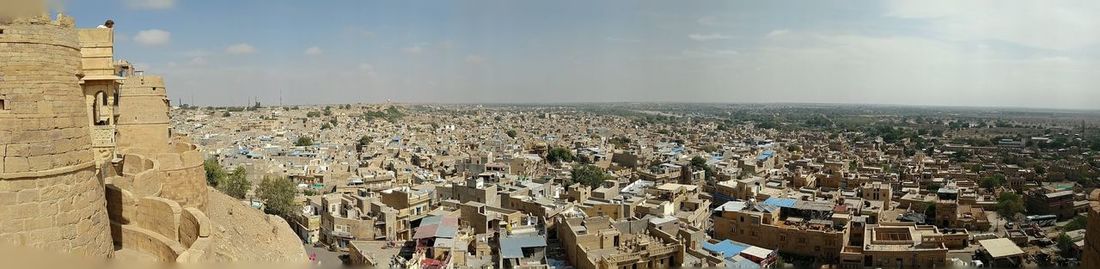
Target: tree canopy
[
  {"x": 589, "y": 175},
  {"x": 363, "y": 141},
  {"x": 993, "y": 181},
  {"x": 214, "y": 171},
  {"x": 1009, "y": 204},
  {"x": 1078, "y": 222},
  {"x": 700, "y": 163},
  {"x": 236, "y": 183},
  {"x": 277, "y": 194},
  {"x": 558, "y": 155},
  {"x": 304, "y": 141},
  {"x": 1064, "y": 243}
]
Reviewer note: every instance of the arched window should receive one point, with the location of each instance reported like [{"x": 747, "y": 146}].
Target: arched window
[{"x": 98, "y": 108}]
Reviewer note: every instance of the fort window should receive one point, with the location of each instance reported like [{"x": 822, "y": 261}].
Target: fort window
[
  {"x": 97, "y": 110},
  {"x": 3, "y": 105}
]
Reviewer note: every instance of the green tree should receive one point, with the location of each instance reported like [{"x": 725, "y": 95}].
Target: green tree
[
  {"x": 992, "y": 182},
  {"x": 929, "y": 211},
  {"x": 511, "y": 133},
  {"x": 1078, "y": 222},
  {"x": 589, "y": 175},
  {"x": 698, "y": 162},
  {"x": 313, "y": 114},
  {"x": 277, "y": 194},
  {"x": 226, "y": 114},
  {"x": 363, "y": 141},
  {"x": 620, "y": 142},
  {"x": 214, "y": 171},
  {"x": 583, "y": 159},
  {"x": 1009, "y": 204},
  {"x": 326, "y": 126},
  {"x": 236, "y": 183},
  {"x": 1065, "y": 244},
  {"x": 303, "y": 141},
  {"x": 558, "y": 155}
]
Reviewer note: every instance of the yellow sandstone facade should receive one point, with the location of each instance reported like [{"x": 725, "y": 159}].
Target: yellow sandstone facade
[
  {"x": 50, "y": 194},
  {"x": 65, "y": 183}
]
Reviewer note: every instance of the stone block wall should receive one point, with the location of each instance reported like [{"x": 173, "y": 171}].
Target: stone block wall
[
  {"x": 159, "y": 215},
  {"x": 50, "y": 196},
  {"x": 178, "y": 174},
  {"x": 157, "y": 226},
  {"x": 1091, "y": 250},
  {"x": 143, "y": 113},
  {"x": 193, "y": 226},
  {"x": 139, "y": 176},
  {"x": 187, "y": 179}
]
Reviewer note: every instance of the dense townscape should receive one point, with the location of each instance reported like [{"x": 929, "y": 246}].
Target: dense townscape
[
  {"x": 101, "y": 162},
  {"x": 660, "y": 185}
]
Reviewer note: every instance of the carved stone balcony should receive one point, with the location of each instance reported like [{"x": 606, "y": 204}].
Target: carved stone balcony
[{"x": 103, "y": 136}]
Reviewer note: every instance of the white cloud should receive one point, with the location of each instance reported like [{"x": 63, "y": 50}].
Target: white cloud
[
  {"x": 314, "y": 51},
  {"x": 153, "y": 37},
  {"x": 1058, "y": 25},
  {"x": 708, "y": 37},
  {"x": 474, "y": 59},
  {"x": 150, "y": 4},
  {"x": 241, "y": 48},
  {"x": 779, "y": 32},
  {"x": 414, "y": 49},
  {"x": 198, "y": 60}
]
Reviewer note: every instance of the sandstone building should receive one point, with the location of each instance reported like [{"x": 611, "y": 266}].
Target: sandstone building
[
  {"x": 50, "y": 194},
  {"x": 89, "y": 166}
]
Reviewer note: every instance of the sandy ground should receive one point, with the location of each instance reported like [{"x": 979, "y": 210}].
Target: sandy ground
[{"x": 242, "y": 234}]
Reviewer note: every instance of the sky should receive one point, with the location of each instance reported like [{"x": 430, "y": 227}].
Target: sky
[{"x": 1009, "y": 53}]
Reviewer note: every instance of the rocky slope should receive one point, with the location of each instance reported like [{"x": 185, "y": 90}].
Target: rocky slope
[{"x": 242, "y": 234}]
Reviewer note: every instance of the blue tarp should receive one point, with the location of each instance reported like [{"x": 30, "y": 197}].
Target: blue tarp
[
  {"x": 767, "y": 154},
  {"x": 727, "y": 247},
  {"x": 780, "y": 202}
]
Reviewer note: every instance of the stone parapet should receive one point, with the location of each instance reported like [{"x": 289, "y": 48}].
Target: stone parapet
[
  {"x": 158, "y": 227},
  {"x": 179, "y": 174}
]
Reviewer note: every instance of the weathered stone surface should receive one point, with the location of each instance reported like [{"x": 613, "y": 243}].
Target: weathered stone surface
[{"x": 41, "y": 164}]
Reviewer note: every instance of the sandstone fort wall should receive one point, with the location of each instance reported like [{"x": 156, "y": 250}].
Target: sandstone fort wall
[{"x": 50, "y": 196}]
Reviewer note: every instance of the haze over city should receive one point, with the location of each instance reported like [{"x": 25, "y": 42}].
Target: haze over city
[{"x": 1040, "y": 54}]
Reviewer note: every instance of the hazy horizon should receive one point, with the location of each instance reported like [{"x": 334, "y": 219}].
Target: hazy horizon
[{"x": 992, "y": 54}]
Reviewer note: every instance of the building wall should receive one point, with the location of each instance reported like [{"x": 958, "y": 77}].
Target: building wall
[
  {"x": 143, "y": 113},
  {"x": 1091, "y": 251},
  {"x": 487, "y": 195},
  {"x": 753, "y": 231},
  {"x": 50, "y": 196}
]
